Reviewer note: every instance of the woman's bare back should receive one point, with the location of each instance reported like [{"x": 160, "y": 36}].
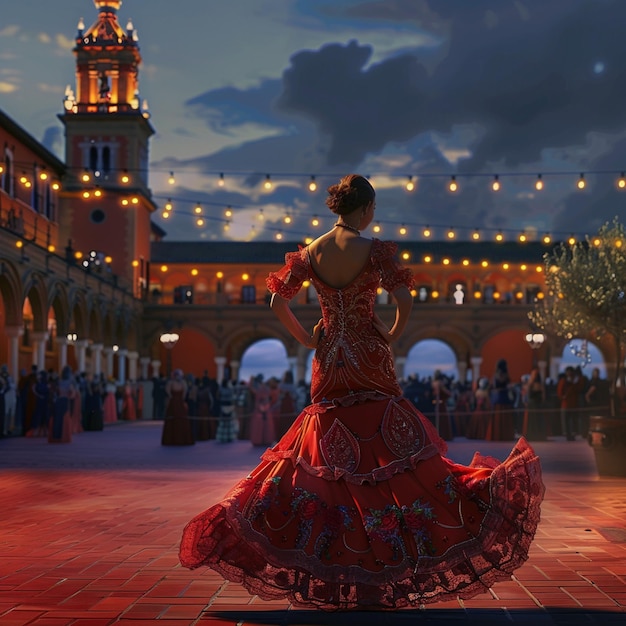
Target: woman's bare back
[{"x": 338, "y": 257}]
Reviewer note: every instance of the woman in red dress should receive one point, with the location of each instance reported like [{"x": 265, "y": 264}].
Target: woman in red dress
[{"x": 357, "y": 506}]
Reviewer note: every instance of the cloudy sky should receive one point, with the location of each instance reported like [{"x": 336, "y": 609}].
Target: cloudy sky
[{"x": 387, "y": 88}]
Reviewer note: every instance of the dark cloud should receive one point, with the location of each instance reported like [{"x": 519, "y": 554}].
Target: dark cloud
[
  {"x": 536, "y": 80},
  {"x": 523, "y": 71},
  {"x": 231, "y": 107},
  {"x": 53, "y": 140}
]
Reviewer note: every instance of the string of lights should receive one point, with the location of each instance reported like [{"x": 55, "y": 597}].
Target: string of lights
[
  {"x": 403, "y": 229},
  {"x": 125, "y": 177},
  {"x": 410, "y": 182}
]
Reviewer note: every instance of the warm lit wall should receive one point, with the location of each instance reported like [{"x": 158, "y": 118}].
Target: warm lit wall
[
  {"x": 193, "y": 354},
  {"x": 509, "y": 345}
]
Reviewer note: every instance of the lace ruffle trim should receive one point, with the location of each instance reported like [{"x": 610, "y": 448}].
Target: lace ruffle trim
[{"x": 222, "y": 539}]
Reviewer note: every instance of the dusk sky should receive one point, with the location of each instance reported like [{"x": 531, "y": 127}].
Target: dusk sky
[{"x": 390, "y": 89}]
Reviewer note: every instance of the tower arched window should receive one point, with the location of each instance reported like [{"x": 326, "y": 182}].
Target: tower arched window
[
  {"x": 106, "y": 159},
  {"x": 7, "y": 175},
  {"x": 93, "y": 158}
]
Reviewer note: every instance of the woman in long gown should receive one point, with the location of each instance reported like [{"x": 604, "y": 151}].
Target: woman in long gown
[
  {"x": 356, "y": 506},
  {"x": 62, "y": 423},
  {"x": 109, "y": 406},
  {"x": 262, "y": 431},
  {"x": 177, "y": 425}
]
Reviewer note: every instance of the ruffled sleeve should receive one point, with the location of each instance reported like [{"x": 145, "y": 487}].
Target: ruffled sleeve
[
  {"x": 287, "y": 281},
  {"x": 392, "y": 273}
]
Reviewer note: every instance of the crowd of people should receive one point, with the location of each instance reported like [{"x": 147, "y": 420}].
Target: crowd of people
[
  {"x": 501, "y": 409},
  {"x": 261, "y": 410}
]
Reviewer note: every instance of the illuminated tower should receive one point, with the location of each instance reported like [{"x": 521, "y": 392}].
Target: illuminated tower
[{"x": 107, "y": 202}]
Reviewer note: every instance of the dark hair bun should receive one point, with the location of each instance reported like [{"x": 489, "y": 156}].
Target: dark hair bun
[{"x": 351, "y": 193}]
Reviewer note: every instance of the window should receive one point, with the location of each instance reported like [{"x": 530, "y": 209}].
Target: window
[
  {"x": 7, "y": 175},
  {"x": 183, "y": 294},
  {"x": 248, "y": 294}
]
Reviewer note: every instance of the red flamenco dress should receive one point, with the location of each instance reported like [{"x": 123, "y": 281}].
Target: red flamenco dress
[{"x": 356, "y": 506}]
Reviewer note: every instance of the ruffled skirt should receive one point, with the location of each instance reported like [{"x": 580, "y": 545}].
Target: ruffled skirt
[{"x": 356, "y": 507}]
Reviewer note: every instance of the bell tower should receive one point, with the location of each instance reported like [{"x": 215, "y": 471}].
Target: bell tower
[{"x": 106, "y": 200}]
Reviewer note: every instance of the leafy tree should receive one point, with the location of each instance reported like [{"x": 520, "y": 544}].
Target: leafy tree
[{"x": 586, "y": 292}]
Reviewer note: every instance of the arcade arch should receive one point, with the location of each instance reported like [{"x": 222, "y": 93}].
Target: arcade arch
[{"x": 428, "y": 355}]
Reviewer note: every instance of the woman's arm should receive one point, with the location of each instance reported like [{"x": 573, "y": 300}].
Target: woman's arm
[
  {"x": 404, "y": 305},
  {"x": 280, "y": 306}
]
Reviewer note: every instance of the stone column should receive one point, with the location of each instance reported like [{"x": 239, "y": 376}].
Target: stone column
[
  {"x": 96, "y": 351},
  {"x": 462, "y": 367},
  {"x": 132, "y": 365},
  {"x": 38, "y": 340},
  {"x": 62, "y": 344},
  {"x": 234, "y": 370},
  {"x": 108, "y": 362},
  {"x": 13, "y": 334},
  {"x": 121, "y": 366},
  {"x": 81, "y": 353},
  {"x": 293, "y": 366},
  {"x": 400, "y": 364},
  {"x": 303, "y": 355},
  {"x": 220, "y": 361},
  {"x": 145, "y": 362},
  {"x": 476, "y": 362},
  {"x": 156, "y": 368}
]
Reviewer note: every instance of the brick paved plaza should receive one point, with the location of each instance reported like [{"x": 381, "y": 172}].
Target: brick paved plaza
[{"x": 90, "y": 531}]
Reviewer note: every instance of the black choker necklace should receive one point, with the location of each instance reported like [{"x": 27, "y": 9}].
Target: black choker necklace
[{"x": 352, "y": 229}]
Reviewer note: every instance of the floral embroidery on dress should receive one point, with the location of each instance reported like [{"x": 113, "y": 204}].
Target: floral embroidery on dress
[
  {"x": 390, "y": 523},
  {"x": 450, "y": 487},
  {"x": 266, "y": 497}
]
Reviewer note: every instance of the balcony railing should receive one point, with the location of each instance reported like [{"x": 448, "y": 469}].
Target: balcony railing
[{"x": 20, "y": 218}]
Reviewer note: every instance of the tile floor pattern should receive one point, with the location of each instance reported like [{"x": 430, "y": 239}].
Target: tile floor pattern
[{"x": 89, "y": 535}]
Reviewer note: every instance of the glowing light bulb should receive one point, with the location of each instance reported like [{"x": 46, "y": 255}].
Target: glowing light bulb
[
  {"x": 287, "y": 219},
  {"x": 522, "y": 238},
  {"x": 315, "y": 221},
  {"x": 451, "y": 234},
  {"x": 197, "y": 209},
  {"x": 495, "y": 185},
  {"x": 165, "y": 215},
  {"x": 546, "y": 239},
  {"x": 43, "y": 175},
  {"x": 267, "y": 185},
  {"x": 453, "y": 185},
  {"x": 410, "y": 185},
  {"x": 125, "y": 178},
  {"x": 168, "y": 205},
  {"x": 499, "y": 236},
  {"x": 377, "y": 228},
  {"x": 428, "y": 258},
  {"x": 56, "y": 186},
  {"x": 199, "y": 222},
  {"x": 476, "y": 235},
  {"x": 164, "y": 268},
  {"x": 86, "y": 177},
  {"x": 402, "y": 230},
  {"x": 581, "y": 184},
  {"x": 219, "y": 275},
  {"x": 279, "y": 235},
  {"x": 621, "y": 181},
  {"x": 427, "y": 232},
  {"x": 539, "y": 183},
  {"x": 171, "y": 180},
  {"x": 228, "y": 212},
  {"x": 446, "y": 261},
  {"x": 312, "y": 184},
  {"x": 571, "y": 240},
  {"x": 220, "y": 181},
  {"x": 245, "y": 276}
]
